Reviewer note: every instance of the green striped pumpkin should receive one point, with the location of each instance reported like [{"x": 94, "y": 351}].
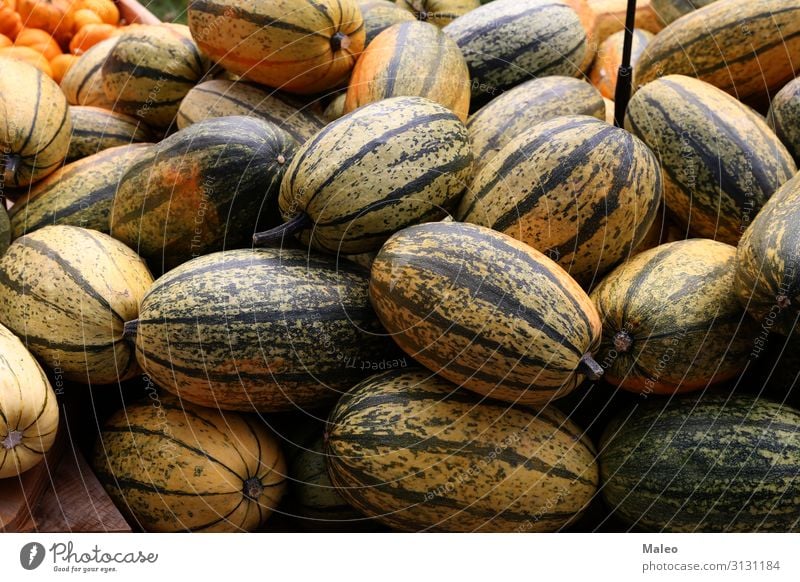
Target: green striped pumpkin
[
  {"x": 720, "y": 160},
  {"x": 83, "y": 82},
  {"x": 204, "y": 188},
  {"x": 5, "y": 229},
  {"x": 379, "y": 15},
  {"x": 383, "y": 167},
  {"x": 511, "y": 41},
  {"x": 95, "y": 129},
  {"x": 78, "y": 194},
  {"x": 526, "y": 105},
  {"x": 671, "y": 10},
  {"x": 783, "y": 116},
  {"x": 671, "y": 319},
  {"x": 28, "y": 408},
  {"x": 411, "y": 58},
  {"x": 768, "y": 262},
  {"x": 170, "y": 466},
  {"x": 270, "y": 329},
  {"x": 485, "y": 311},
  {"x": 530, "y": 188},
  {"x": 221, "y": 98},
  {"x": 34, "y": 126},
  {"x": 67, "y": 291},
  {"x": 149, "y": 70},
  {"x": 715, "y": 463},
  {"x": 418, "y": 454},
  {"x": 750, "y": 50},
  {"x": 438, "y": 12}
]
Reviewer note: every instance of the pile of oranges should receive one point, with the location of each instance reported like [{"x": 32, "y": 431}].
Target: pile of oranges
[{"x": 51, "y": 34}]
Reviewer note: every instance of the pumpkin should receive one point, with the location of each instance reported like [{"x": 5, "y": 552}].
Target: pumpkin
[
  {"x": 60, "y": 65},
  {"x": 28, "y": 408},
  {"x": 379, "y": 15},
  {"x": 30, "y": 56},
  {"x": 90, "y": 35},
  {"x": 35, "y": 125},
  {"x": 299, "y": 47},
  {"x": 42, "y": 14},
  {"x": 671, "y": 10},
  {"x": 38, "y": 40},
  {"x": 95, "y": 129},
  {"x": 83, "y": 83},
  {"x": 10, "y": 22},
  {"x": 609, "y": 58},
  {"x": 783, "y": 115},
  {"x": 438, "y": 12}
]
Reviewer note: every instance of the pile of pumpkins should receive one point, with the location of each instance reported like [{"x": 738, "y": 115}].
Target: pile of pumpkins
[{"x": 385, "y": 258}]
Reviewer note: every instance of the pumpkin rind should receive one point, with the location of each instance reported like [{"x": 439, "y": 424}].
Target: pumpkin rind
[
  {"x": 176, "y": 467},
  {"x": 28, "y": 408},
  {"x": 68, "y": 291},
  {"x": 783, "y": 116},
  {"x": 379, "y": 15},
  {"x": 83, "y": 82},
  {"x": 438, "y": 12},
  {"x": 420, "y": 455},
  {"x": 721, "y": 162},
  {"x": 95, "y": 129},
  {"x": 528, "y": 327}
]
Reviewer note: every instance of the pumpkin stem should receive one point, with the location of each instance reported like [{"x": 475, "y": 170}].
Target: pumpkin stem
[
  {"x": 13, "y": 439},
  {"x": 340, "y": 41},
  {"x": 589, "y": 367},
  {"x": 623, "y": 342},
  {"x": 291, "y": 226},
  {"x": 253, "y": 488},
  {"x": 129, "y": 330},
  {"x": 10, "y": 165}
]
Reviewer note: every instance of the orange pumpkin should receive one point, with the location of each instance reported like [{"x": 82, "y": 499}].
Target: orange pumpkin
[
  {"x": 5, "y": 41},
  {"x": 39, "y": 40},
  {"x": 90, "y": 35},
  {"x": 105, "y": 9},
  {"x": 84, "y": 16},
  {"x": 61, "y": 64},
  {"x": 10, "y": 22},
  {"x": 28, "y": 55},
  {"x": 44, "y": 14}
]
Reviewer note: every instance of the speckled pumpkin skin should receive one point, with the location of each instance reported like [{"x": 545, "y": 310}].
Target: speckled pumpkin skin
[
  {"x": 418, "y": 454},
  {"x": 678, "y": 306},
  {"x": 579, "y": 190},
  {"x": 95, "y": 129},
  {"x": 379, "y": 15},
  {"x": 721, "y": 161},
  {"x": 83, "y": 82},
  {"x": 438, "y": 12},
  {"x": 714, "y": 463},
  {"x": 784, "y": 117}
]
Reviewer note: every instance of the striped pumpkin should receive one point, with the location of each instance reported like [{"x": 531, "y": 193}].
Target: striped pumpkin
[
  {"x": 671, "y": 10},
  {"x": 768, "y": 262},
  {"x": 78, "y": 194},
  {"x": 35, "y": 125},
  {"x": 202, "y": 189},
  {"x": 83, "y": 81},
  {"x": 438, "y": 12},
  {"x": 316, "y": 500},
  {"x": 221, "y": 98},
  {"x": 529, "y": 191},
  {"x": 95, "y": 129},
  {"x": 511, "y": 41},
  {"x": 148, "y": 72},
  {"x": 609, "y": 58},
  {"x": 418, "y": 454},
  {"x": 386, "y": 166},
  {"x": 5, "y": 229},
  {"x": 716, "y": 463},
  {"x": 750, "y": 52},
  {"x": 513, "y": 112},
  {"x": 271, "y": 329},
  {"x": 783, "y": 115},
  {"x": 28, "y": 408},
  {"x": 379, "y": 15},
  {"x": 302, "y": 47},
  {"x": 671, "y": 319},
  {"x": 485, "y": 311},
  {"x": 411, "y": 58},
  {"x": 176, "y": 467},
  {"x": 68, "y": 291},
  {"x": 720, "y": 160}
]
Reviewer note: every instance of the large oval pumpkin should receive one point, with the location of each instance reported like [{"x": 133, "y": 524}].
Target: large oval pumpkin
[
  {"x": 575, "y": 188},
  {"x": 379, "y": 15},
  {"x": 95, "y": 129},
  {"x": 720, "y": 160},
  {"x": 784, "y": 113},
  {"x": 411, "y": 58},
  {"x": 303, "y": 47},
  {"x": 83, "y": 82},
  {"x": 171, "y": 466},
  {"x": 28, "y": 408},
  {"x": 35, "y": 124},
  {"x": 671, "y": 319},
  {"x": 68, "y": 291},
  {"x": 485, "y": 311},
  {"x": 418, "y": 454}
]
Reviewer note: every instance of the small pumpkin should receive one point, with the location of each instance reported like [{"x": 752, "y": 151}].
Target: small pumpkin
[
  {"x": 26, "y": 54},
  {"x": 10, "y": 22},
  {"x": 39, "y": 40},
  {"x": 90, "y": 35},
  {"x": 43, "y": 14}
]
